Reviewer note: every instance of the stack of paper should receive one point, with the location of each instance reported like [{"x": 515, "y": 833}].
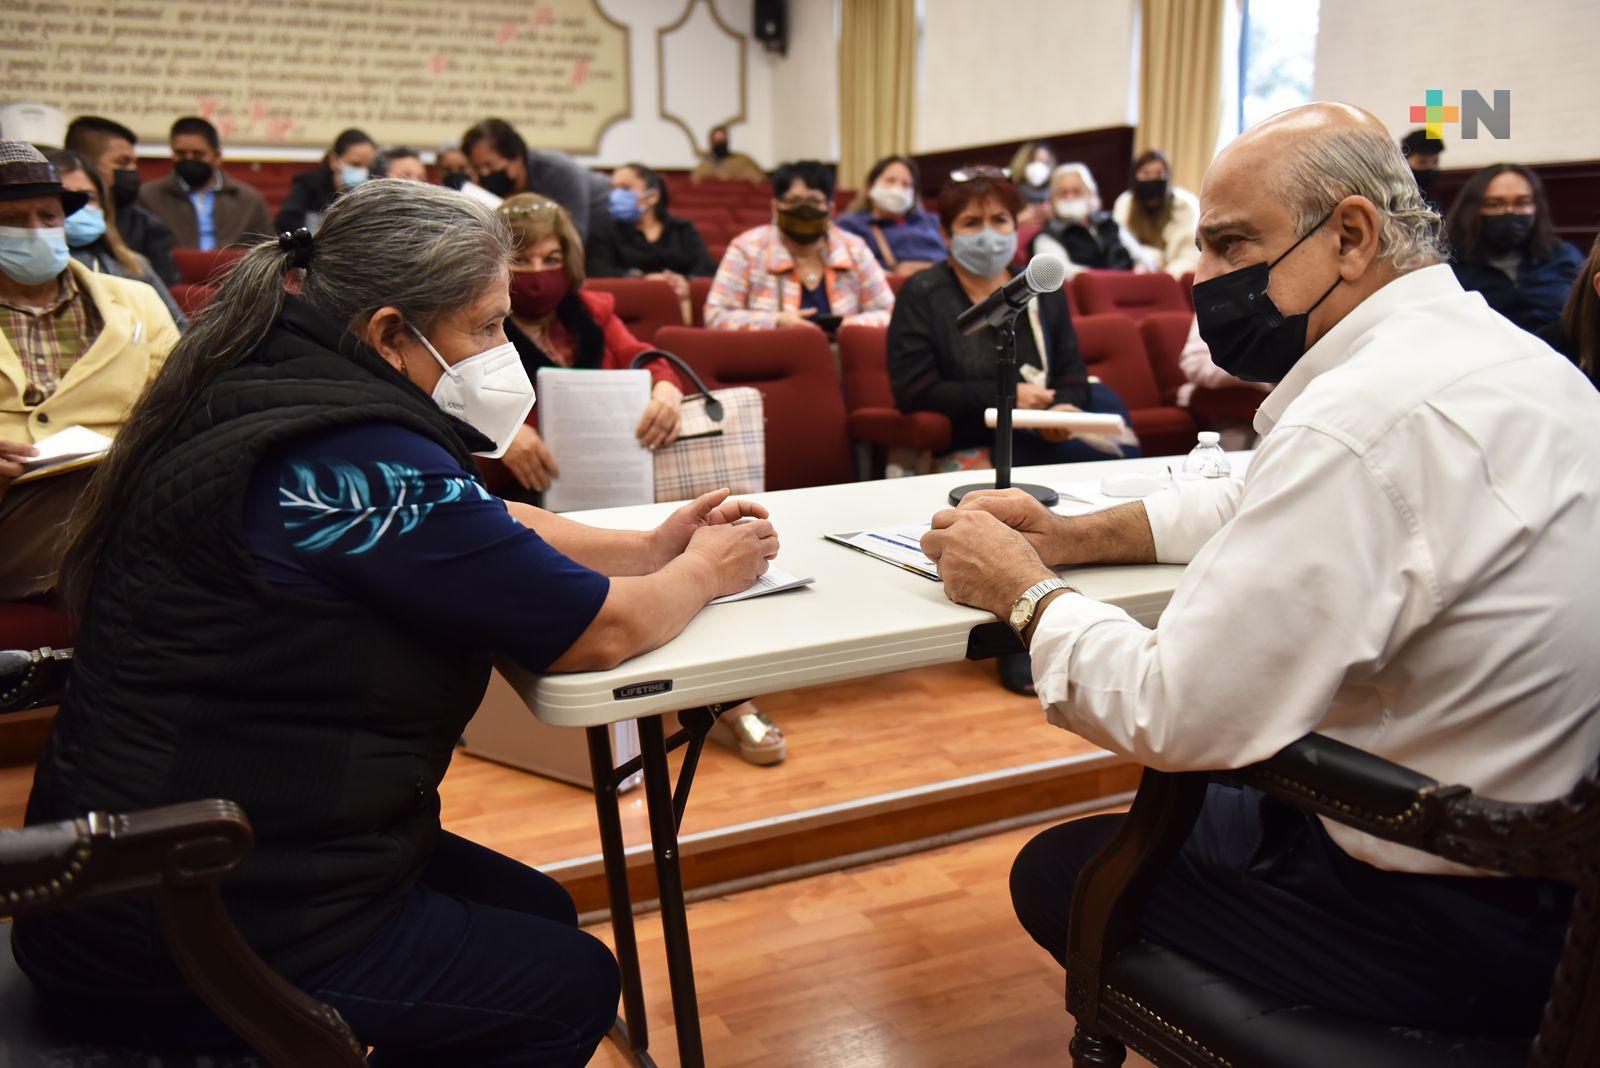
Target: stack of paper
[
  {"x": 900, "y": 546},
  {"x": 774, "y": 581},
  {"x": 69, "y": 450}
]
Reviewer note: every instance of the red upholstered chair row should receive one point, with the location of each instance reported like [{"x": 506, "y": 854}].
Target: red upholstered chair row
[
  {"x": 644, "y": 305},
  {"x": 33, "y": 625},
  {"x": 1134, "y": 295},
  {"x": 1114, "y": 351},
  {"x": 793, "y": 369},
  {"x": 193, "y": 297},
  {"x": 197, "y": 267},
  {"x": 873, "y": 419},
  {"x": 1164, "y": 336}
]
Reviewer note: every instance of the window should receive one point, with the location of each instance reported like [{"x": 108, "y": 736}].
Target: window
[{"x": 1277, "y": 55}]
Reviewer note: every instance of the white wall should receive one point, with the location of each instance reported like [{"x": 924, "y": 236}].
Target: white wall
[
  {"x": 1383, "y": 57},
  {"x": 1008, "y": 71},
  {"x": 805, "y": 85}
]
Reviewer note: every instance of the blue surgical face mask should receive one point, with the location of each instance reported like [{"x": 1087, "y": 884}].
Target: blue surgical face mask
[
  {"x": 33, "y": 255},
  {"x": 352, "y": 176},
  {"x": 85, "y": 226},
  {"x": 984, "y": 253},
  {"x": 625, "y": 206}
]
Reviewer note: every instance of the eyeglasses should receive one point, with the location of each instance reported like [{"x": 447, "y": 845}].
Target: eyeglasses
[
  {"x": 1520, "y": 206},
  {"x": 973, "y": 172}
]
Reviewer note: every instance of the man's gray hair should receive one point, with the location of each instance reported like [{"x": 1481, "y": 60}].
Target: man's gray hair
[{"x": 1326, "y": 168}]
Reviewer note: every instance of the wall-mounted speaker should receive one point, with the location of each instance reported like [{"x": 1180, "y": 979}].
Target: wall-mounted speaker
[{"x": 772, "y": 25}]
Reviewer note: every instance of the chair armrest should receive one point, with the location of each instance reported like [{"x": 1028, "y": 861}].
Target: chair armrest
[
  {"x": 32, "y": 678},
  {"x": 102, "y": 856}
]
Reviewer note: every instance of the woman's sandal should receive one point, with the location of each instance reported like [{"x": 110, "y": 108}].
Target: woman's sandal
[{"x": 748, "y": 730}]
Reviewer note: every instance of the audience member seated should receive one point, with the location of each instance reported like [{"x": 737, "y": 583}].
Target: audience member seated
[
  {"x": 1503, "y": 245},
  {"x": 723, "y": 164},
  {"x": 555, "y": 322},
  {"x": 643, "y": 239},
  {"x": 76, "y": 349},
  {"x": 1405, "y": 567},
  {"x": 504, "y": 166},
  {"x": 109, "y": 146},
  {"x": 1031, "y": 168},
  {"x": 346, "y": 165},
  {"x": 933, "y": 367},
  {"x": 889, "y": 217},
  {"x": 1079, "y": 231},
  {"x": 1160, "y": 216},
  {"x": 204, "y": 206},
  {"x": 1202, "y": 372},
  {"x": 1576, "y": 335},
  {"x": 800, "y": 266},
  {"x": 454, "y": 170},
  {"x": 1422, "y": 156},
  {"x": 399, "y": 162},
  {"x": 92, "y": 234},
  {"x": 318, "y": 661}
]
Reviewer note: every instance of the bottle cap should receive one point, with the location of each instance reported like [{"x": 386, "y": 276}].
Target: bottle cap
[{"x": 1209, "y": 437}]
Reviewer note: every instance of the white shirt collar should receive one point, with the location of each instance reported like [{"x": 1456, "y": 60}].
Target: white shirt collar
[{"x": 1340, "y": 343}]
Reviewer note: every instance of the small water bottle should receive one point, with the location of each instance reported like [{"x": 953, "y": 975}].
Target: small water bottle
[{"x": 1206, "y": 460}]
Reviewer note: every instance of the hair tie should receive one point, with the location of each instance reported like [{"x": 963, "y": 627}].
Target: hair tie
[{"x": 297, "y": 243}]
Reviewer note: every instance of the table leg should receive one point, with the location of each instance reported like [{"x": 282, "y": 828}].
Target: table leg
[
  {"x": 636, "y": 1033},
  {"x": 674, "y": 919}
]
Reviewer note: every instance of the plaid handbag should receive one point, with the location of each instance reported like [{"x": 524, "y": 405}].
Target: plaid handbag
[{"x": 721, "y": 442}]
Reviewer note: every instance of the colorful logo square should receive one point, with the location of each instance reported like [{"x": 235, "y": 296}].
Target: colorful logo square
[{"x": 1433, "y": 114}]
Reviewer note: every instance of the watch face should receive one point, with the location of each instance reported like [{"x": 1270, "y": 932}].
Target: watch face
[{"x": 1020, "y": 613}]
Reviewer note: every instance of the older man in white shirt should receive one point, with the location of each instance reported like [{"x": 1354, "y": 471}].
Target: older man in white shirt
[{"x": 1407, "y": 566}]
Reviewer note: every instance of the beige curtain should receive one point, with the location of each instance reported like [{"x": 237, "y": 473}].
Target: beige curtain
[
  {"x": 1180, "y": 84},
  {"x": 877, "y": 83}
]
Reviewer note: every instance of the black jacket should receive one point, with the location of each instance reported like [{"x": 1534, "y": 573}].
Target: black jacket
[
  {"x": 933, "y": 367},
  {"x": 143, "y": 231},
  {"x": 1097, "y": 245},
  {"x": 330, "y": 724},
  {"x": 310, "y": 192},
  {"x": 618, "y": 249},
  {"x": 1537, "y": 296}
]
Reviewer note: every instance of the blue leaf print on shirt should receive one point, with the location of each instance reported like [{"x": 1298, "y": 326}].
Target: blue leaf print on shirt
[{"x": 333, "y": 504}]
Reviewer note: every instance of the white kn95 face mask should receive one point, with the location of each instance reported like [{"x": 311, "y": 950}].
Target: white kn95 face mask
[{"x": 490, "y": 391}]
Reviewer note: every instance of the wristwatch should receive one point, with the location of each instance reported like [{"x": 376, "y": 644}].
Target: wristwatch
[{"x": 1028, "y": 603}]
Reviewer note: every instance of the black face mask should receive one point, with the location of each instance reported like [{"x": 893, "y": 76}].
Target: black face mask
[
  {"x": 497, "y": 182},
  {"x": 1248, "y": 336},
  {"x": 456, "y": 179},
  {"x": 804, "y": 225},
  {"x": 719, "y": 149},
  {"x": 1506, "y": 233},
  {"x": 1425, "y": 180},
  {"x": 194, "y": 173},
  {"x": 1155, "y": 189},
  {"x": 125, "y": 187}
]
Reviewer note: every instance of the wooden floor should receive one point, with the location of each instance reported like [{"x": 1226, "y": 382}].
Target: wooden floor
[{"x": 916, "y": 963}]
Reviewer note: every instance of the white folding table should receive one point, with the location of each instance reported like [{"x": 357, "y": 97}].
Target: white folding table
[{"x": 861, "y": 617}]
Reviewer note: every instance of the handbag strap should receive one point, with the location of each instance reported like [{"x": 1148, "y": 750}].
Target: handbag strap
[{"x": 713, "y": 406}]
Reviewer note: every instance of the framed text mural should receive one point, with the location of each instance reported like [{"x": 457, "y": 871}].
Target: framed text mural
[{"x": 296, "y": 72}]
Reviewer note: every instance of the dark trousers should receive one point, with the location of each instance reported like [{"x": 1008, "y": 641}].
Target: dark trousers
[
  {"x": 483, "y": 965},
  {"x": 1261, "y": 892}
]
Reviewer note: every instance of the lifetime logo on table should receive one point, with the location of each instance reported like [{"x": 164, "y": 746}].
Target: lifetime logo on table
[
  {"x": 1474, "y": 109},
  {"x": 642, "y": 689}
]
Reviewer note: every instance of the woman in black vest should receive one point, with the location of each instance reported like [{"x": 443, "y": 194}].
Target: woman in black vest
[{"x": 291, "y": 586}]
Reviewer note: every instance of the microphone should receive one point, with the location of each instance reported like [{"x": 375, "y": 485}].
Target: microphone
[{"x": 1044, "y": 274}]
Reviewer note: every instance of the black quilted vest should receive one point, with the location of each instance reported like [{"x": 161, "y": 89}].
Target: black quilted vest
[{"x": 330, "y": 724}]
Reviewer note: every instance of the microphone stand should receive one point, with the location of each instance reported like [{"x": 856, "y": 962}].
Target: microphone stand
[{"x": 1006, "y": 386}]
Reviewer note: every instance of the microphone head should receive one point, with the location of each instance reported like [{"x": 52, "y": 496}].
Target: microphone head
[{"x": 1045, "y": 273}]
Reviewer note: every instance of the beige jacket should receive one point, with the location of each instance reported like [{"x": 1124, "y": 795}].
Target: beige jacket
[{"x": 99, "y": 389}]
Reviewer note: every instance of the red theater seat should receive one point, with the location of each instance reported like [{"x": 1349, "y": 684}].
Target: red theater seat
[
  {"x": 699, "y": 290},
  {"x": 1165, "y": 334},
  {"x": 1114, "y": 352},
  {"x": 1136, "y": 295},
  {"x": 33, "y": 625},
  {"x": 196, "y": 266},
  {"x": 873, "y": 419},
  {"x": 193, "y": 298},
  {"x": 645, "y": 305},
  {"x": 806, "y": 441}
]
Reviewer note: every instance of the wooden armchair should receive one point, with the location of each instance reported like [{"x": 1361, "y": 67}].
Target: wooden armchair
[
  {"x": 178, "y": 856},
  {"x": 1173, "y": 1010}
]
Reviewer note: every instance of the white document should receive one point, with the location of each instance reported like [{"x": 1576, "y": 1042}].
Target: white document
[
  {"x": 774, "y": 581},
  {"x": 75, "y": 446},
  {"x": 1040, "y": 419},
  {"x": 900, "y": 546},
  {"x": 587, "y": 420}
]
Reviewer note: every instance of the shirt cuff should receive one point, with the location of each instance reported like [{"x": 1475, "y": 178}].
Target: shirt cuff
[
  {"x": 1183, "y": 516},
  {"x": 1063, "y": 621}
]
